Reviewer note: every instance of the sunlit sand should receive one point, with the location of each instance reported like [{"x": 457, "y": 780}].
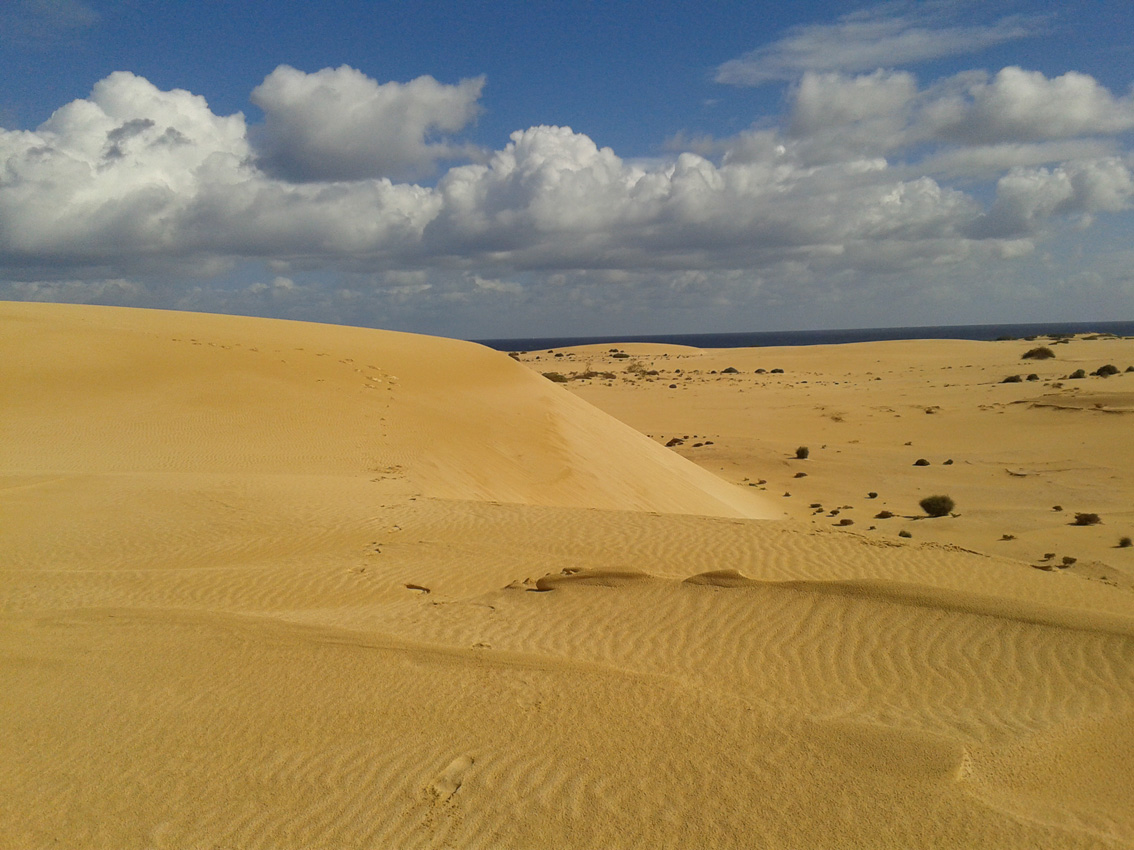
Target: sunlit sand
[{"x": 281, "y": 585}]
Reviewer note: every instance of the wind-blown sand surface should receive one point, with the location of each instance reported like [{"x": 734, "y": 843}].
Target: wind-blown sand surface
[{"x": 267, "y": 584}]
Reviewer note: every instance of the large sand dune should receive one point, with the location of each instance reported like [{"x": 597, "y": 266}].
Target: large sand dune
[{"x": 266, "y": 584}]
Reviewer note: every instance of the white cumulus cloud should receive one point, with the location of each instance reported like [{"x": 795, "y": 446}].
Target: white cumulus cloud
[
  {"x": 339, "y": 124},
  {"x": 867, "y": 176}
]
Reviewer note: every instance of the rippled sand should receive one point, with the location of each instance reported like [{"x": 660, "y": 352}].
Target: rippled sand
[{"x": 268, "y": 584}]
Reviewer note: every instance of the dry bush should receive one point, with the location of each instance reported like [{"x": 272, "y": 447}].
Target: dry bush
[
  {"x": 937, "y": 505},
  {"x": 1041, "y": 353}
]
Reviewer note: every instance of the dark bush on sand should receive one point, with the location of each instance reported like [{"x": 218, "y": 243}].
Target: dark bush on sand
[{"x": 937, "y": 505}]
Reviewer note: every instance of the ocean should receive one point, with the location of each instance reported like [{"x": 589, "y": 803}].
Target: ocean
[{"x": 778, "y": 338}]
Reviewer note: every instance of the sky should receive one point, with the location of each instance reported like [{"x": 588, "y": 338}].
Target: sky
[{"x": 518, "y": 169}]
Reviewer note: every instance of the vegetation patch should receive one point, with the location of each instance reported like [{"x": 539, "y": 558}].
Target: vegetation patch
[{"x": 937, "y": 506}]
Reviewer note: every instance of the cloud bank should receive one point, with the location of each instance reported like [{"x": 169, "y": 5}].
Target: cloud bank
[{"x": 869, "y": 174}]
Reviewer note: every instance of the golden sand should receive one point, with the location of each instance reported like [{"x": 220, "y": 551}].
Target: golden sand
[{"x": 280, "y": 585}]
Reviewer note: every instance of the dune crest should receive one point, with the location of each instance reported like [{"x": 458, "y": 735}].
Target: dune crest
[{"x": 149, "y": 391}]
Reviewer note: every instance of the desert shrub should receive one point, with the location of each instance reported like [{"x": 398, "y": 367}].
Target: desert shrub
[
  {"x": 1068, "y": 561},
  {"x": 777, "y": 371},
  {"x": 1125, "y": 543},
  {"x": 1106, "y": 371},
  {"x": 557, "y": 377},
  {"x": 1032, "y": 377},
  {"x": 802, "y": 453},
  {"x": 800, "y": 475},
  {"x": 846, "y": 521},
  {"x": 1012, "y": 379},
  {"x": 1087, "y": 519},
  {"x": 883, "y": 515},
  {"x": 620, "y": 355},
  {"x": 937, "y": 505},
  {"x": 1077, "y": 374},
  {"x": 1130, "y": 368},
  {"x": 730, "y": 371},
  {"x": 921, "y": 462},
  {"x": 904, "y": 533},
  {"x": 949, "y": 462},
  {"x": 872, "y": 495},
  {"x": 1041, "y": 353}
]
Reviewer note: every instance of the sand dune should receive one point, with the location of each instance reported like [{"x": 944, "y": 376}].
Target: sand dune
[{"x": 266, "y": 584}]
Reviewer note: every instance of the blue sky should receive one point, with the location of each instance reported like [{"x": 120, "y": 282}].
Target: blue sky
[{"x": 520, "y": 169}]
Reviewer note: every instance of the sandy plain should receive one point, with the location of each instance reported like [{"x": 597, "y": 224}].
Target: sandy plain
[{"x": 270, "y": 584}]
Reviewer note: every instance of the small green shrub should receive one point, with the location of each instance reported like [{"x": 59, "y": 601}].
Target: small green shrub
[
  {"x": 1041, "y": 353},
  {"x": 1125, "y": 543},
  {"x": 802, "y": 453},
  {"x": 1106, "y": 371},
  {"x": 1087, "y": 519},
  {"x": 557, "y": 377},
  {"x": 937, "y": 505},
  {"x": 1077, "y": 374}
]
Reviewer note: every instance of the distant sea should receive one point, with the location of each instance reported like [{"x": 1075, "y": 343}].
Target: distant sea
[{"x": 778, "y": 338}]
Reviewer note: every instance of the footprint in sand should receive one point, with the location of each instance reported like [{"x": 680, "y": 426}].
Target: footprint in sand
[{"x": 446, "y": 785}]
